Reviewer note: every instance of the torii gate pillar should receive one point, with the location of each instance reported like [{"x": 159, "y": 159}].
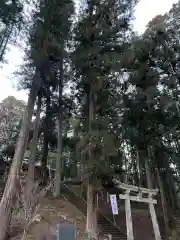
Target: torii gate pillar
[{"x": 148, "y": 198}]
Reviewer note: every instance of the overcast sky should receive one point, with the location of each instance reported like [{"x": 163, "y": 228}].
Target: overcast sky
[{"x": 145, "y": 11}]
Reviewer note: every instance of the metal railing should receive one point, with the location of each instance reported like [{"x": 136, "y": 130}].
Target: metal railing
[{"x": 76, "y": 209}]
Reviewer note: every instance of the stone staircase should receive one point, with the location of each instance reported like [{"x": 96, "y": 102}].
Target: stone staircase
[
  {"x": 105, "y": 225},
  {"x": 108, "y": 228},
  {"x": 116, "y": 227}
]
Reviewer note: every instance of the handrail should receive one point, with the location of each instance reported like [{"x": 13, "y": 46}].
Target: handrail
[
  {"x": 75, "y": 193},
  {"x": 98, "y": 209},
  {"x": 75, "y": 208},
  {"x": 72, "y": 204},
  {"x": 109, "y": 221}
]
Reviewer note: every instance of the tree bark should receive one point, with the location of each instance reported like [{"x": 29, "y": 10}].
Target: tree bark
[
  {"x": 164, "y": 203},
  {"x": 46, "y": 135},
  {"x": 6, "y": 38},
  {"x": 91, "y": 224},
  {"x": 2, "y": 39},
  {"x": 34, "y": 143},
  {"x": 75, "y": 156},
  {"x": 139, "y": 167},
  {"x": 126, "y": 170},
  {"x": 91, "y": 221},
  {"x": 74, "y": 166},
  {"x": 58, "y": 174},
  {"x": 59, "y": 164},
  {"x": 148, "y": 173},
  {"x": 45, "y": 151},
  {"x": 9, "y": 196},
  {"x": 171, "y": 188}
]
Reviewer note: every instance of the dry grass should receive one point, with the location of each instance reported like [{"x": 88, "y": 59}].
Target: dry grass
[{"x": 51, "y": 212}]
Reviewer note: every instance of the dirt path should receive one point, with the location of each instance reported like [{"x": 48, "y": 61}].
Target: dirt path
[{"x": 52, "y": 213}]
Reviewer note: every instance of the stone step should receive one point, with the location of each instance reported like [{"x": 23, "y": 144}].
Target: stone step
[
  {"x": 103, "y": 224},
  {"x": 109, "y": 228},
  {"x": 141, "y": 221}
]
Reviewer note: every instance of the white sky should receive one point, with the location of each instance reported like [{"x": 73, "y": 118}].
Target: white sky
[{"x": 145, "y": 11}]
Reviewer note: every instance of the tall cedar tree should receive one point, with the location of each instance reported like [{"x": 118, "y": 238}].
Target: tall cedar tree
[
  {"x": 11, "y": 19},
  {"x": 43, "y": 45},
  {"x": 152, "y": 100},
  {"x": 102, "y": 27}
]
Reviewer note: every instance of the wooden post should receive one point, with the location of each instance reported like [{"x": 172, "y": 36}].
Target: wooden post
[
  {"x": 154, "y": 220},
  {"x": 128, "y": 217}
]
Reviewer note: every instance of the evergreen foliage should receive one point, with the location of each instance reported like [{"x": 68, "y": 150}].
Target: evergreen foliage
[{"x": 109, "y": 98}]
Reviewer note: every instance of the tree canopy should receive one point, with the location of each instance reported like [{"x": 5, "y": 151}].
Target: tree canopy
[{"x": 106, "y": 99}]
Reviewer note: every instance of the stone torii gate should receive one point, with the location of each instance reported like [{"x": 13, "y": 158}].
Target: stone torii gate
[{"x": 143, "y": 195}]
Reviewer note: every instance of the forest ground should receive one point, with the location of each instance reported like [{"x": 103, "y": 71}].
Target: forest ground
[{"x": 51, "y": 213}]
